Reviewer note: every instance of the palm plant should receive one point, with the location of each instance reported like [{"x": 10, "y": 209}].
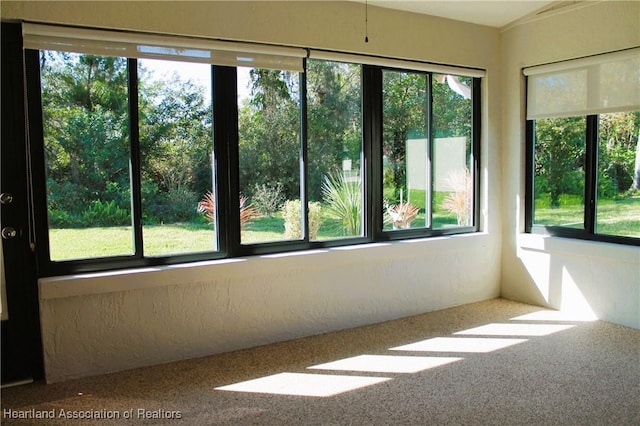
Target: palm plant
[
  {"x": 344, "y": 201},
  {"x": 401, "y": 215},
  {"x": 459, "y": 200},
  {"x": 208, "y": 206}
]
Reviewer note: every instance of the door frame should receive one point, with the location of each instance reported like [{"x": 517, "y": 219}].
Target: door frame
[{"x": 22, "y": 356}]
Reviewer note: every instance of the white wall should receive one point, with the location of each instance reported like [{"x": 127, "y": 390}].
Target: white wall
[
  {"x": 597, "y": 278},
  {"x": 107, "y": 322}
]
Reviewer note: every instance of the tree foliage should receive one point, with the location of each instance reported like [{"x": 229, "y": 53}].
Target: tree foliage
[{"x": 560, "y": 155}]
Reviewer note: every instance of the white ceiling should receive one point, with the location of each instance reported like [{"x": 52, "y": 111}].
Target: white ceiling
[{"x": 497, "y": 13}]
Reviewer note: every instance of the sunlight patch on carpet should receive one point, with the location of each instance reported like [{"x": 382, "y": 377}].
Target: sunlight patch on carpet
[
  {"x": 386, "y": 363},
  {"x": 303, "y": 384},
  {"x": 557, "y": 316},
  {"x": 460, "y": 344},
  {"x": 516, "y": 329}
]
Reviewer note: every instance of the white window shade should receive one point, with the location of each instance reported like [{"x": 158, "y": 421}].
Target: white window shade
[
  {"x": 396, "y": 63},
  {"x": 184, "y": 49},
  {"x": 587, "y": 86}
]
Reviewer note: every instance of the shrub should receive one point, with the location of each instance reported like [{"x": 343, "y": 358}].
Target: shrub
[
  {"x": 402, "y": 214},
  {"x": 292, "y": 213},
  {"x": 268, "y": 199},
  {"x": 62, "y": 219},
  {"x": 208, "y": 206},
  {"x": 105, "y": 214},
  {"x": 344, "y": 201},
  {"x": 459, "y": 200}
]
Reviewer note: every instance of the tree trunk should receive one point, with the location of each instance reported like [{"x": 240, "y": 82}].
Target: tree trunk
[{"x": 636, "y": 175}]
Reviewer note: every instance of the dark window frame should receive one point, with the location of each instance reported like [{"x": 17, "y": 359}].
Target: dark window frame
[
  {"x": 226, "y": 155},
  {"x": 590, "y": 191}
]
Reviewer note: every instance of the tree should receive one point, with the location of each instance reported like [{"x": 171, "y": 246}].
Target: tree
[
  {"x": 636, "y": 174},
  {"x": 85, "y": 129},
  {"x": 560, "y": 152},
  {"x": 616, "y": 153},
  {"x": 87, "y": 143},
  {"x": 334, "y": 120},
  {"x": 405, "y": 104},
  {"x": 176, "y": 144},
  {"x": 269, "y": 132}
]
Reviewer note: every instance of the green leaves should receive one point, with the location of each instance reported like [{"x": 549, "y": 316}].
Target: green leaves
[{"x": 344, "y": 201}]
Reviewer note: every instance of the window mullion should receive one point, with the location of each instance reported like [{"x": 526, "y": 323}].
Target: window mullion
[
  {"x": 428, "y": 214},
  {"x": 372, "y": 150},
  {"x": 476, "y": 127},
  {"x": 591, "y": 174},
  {"x": 225, "y": 116},
  {"x": 135, "y": 158},
  {"x": 304, "y": 183}
]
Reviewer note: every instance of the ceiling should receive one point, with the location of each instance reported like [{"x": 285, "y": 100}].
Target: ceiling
[{"x": 497, "y": 13}]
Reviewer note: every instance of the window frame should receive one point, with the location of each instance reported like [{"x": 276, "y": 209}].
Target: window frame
[
  {"x": 401, "y": 234},
  {"x": 226, "y": 156},
  {"x": 590, "y": 190}
]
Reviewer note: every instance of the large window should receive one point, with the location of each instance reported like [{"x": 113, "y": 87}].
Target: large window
[
  {"x": 584, "y": 148},
  {"x": 159, "y": 155},
  {"x": 87, "y": 153},
  {"x": 176, "y": 150},
  {"x": 334, "y": 150},
  {"x": 427, "y": 151},
  {"x": 269, "y": 145}
]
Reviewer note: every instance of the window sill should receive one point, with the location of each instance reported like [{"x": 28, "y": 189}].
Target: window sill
[
  {"x": 577, "y": 247},
  {"x": 185, "y": 273}
]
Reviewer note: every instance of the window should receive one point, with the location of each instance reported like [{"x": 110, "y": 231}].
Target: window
[
  {"x": 176, "y": 150},
  {"x": 87, "y": 153},
  {"x": 154, "y": 151},
  {"x": 583, "y": 136},
  {"x": 405, "y": 149},
  {"x": 269, "y": 123},
  {"x": 428, "y": 151},
  {"x": 334, "y": 150}
]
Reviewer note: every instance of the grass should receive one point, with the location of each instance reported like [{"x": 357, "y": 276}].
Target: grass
[
  {"x": 614, "y": 217},
  {"x": 180, "y": 238}
]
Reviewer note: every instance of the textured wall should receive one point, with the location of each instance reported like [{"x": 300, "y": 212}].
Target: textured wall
[
  {"x": 94, "y": 324},
  {"x": 107, "y": 322},
  {"x": 570, "y": 274}
]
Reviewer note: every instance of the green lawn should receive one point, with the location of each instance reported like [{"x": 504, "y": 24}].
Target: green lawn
[
  {"x": 614, "y": 217},
  {"x": 162, "y": 240}
]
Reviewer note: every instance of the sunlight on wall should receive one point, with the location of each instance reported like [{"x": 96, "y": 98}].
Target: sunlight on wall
[
  {"x": 538, "y": 267},
  {"x": 550, "y": 274},
  {"x": 573, "y": 302}
]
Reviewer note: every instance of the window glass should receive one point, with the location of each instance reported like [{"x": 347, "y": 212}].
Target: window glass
[
  {"x": 269, "y": 150},
  {"x": 176, "y": 144},
  {"x": 87, "y": 155},
  {"x": 405, "y": 150},
  {"x": 618, "y": 199},
  {"x": 334, "y": 149},
  {"x": 559, "y": 172},
  {"x": 452, "y": 151}
]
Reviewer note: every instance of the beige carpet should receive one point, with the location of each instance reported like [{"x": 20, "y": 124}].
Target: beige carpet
[{"x": 496, "y": 362}]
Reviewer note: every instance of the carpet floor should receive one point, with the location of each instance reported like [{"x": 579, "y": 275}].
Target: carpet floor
[{"x": 490, "y": 363}]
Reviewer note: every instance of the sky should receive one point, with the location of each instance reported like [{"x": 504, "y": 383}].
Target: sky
[{"x": 197, "y": 73}]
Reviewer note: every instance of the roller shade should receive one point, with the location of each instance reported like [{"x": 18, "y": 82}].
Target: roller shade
[
  {"x": 586, "y": 86},
  {"x": 396, "y": 63},
  {"x": 183, "y": 49}
]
